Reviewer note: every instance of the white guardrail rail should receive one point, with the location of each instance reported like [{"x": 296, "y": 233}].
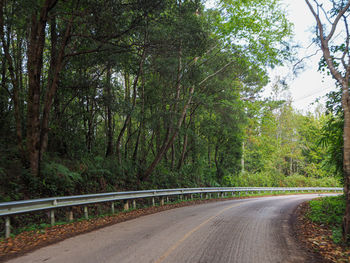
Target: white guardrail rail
[{"x": 8, "y": 209}]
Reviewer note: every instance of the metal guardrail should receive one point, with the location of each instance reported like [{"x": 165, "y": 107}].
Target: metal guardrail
[{"x": 8, "y": 209}]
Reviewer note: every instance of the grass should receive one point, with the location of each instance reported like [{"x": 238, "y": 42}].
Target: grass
[{"x": 329, "y": 211}]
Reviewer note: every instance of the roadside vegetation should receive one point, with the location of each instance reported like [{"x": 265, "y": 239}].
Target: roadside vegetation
[
  {"x": 329, "y": 211},
  {"x": 151, "y": 94}
]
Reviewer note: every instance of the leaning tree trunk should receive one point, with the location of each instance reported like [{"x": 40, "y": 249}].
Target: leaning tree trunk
[
  {"x": 342, "y": 77},
  {"x": 169, "y": 140},
  {"x": 346, "y": 161},
  {"x": 109, "y": 119}
]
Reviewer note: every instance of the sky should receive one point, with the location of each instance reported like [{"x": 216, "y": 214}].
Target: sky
[{"x": 309, "y": 84}]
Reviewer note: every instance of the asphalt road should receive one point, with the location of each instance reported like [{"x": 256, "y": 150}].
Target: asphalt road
[{"x": 242, "y": 231}]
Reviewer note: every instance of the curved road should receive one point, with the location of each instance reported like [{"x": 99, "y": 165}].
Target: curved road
[{"x": 247, "y": 231}]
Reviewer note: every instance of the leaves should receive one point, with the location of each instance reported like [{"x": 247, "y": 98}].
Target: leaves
[{"x": 318, "y": 235}]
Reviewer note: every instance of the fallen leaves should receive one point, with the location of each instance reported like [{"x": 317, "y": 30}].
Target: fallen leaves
[
  {"x": 30, "y": 240},
  {"x": 317, "y": 238}
]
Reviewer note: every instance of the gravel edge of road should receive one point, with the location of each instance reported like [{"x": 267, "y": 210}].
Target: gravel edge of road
[{"x": 29, "y": 241}]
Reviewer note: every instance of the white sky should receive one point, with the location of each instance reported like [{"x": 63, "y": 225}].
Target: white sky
[{"x": 310, "y": 84}]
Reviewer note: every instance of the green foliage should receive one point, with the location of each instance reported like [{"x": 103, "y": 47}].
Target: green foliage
[
  {"x": 283, "y": 141},
  {"x": 329, "y": 211},
  {"x": 260, "y": 26},
  {"x": 270, "y": 179},
  {"x": 331, "y": 133},
  {"x": 58, "y": 179},
  {"x": 167, "y": 83}
]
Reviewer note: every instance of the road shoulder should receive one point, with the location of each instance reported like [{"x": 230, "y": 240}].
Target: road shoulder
[{"x": 316, "y": 238}]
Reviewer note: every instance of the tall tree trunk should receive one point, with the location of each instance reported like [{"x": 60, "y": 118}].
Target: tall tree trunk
[
  {"x": 57, "y": 64},
  {"x": 13, "y": 69},
  {"x": 134, "y": 96},
  {"x": 242, "y": 157},
  {"x": 34, "y": 65},
  {"x": 109, "y": 126},
  {"x": 343, "y": 80},
  {"x": 218, "y": 171},
  {"x": 167, "y": 143},
  {"x": 209, "y": 154},
  {"x": 346, "y": 160},
  {"x": 90, "y": 108},
  {"x": 3, "y": 98},
  {"x": 184, "y": 146},
  {"x": 141, "y": 137}
]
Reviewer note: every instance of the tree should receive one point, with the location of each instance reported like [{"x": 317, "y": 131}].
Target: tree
[
  {"x": 75, "y": 29},
  {"x": 131, "y": 93},
  {"x": 337, "y": 58}
]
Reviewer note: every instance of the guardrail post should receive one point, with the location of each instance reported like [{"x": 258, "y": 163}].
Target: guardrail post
[
  {"x": 86, "y": 212},
  {"x": 7, "y": 227},
  {"x": 52, "y": 217},
  {"x": 153, "y": 201},
  {"x": 126, "y": 205},
  {"x": 112, "y": 208},
  {"x": 162, "y": 200},
  {"x": 52, "y": 213},
  {"x": 167, "y": 199},
  {"x": 134, "y": 203},
  {"x": 70, "y": 215}
]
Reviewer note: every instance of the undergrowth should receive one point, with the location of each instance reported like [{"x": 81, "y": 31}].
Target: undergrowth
[{"x": 329, "y": 211}]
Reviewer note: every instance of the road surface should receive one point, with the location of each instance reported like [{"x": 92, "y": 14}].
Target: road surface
[{"x": 242, "y": 231}]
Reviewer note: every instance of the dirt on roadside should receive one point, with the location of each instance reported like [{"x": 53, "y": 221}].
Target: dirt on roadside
[
  {"x": 31, "y": 240},
  {"x": 317, "y": 237}
]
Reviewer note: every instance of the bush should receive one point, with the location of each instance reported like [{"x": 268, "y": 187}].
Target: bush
[
  {"x": 271, "y": 179},
  {"x": 330, "y": 211},
  {"x": 58, "y": 179}
]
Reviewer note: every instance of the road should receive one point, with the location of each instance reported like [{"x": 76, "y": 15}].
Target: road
[{"x": 242, "y": 231}]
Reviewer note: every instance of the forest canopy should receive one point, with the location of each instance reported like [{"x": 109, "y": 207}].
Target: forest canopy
[{"x": 112, "y": 95}]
